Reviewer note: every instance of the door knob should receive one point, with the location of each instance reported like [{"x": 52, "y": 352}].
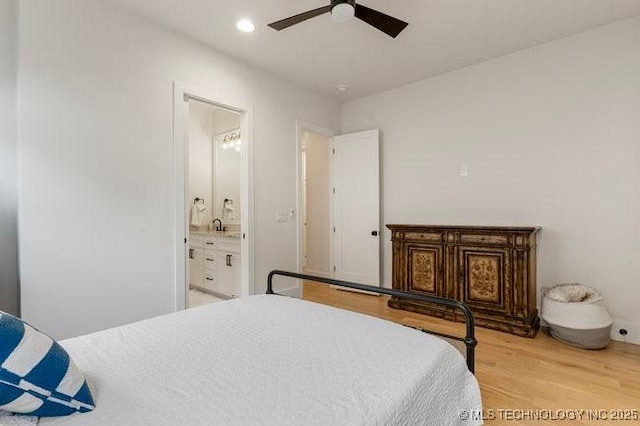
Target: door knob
[{"x": 374, "y": 233}]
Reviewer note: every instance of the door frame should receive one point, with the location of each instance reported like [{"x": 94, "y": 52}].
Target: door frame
[
  {"x": 302, "y": 127},
  {"x": 179, "y": 154}
]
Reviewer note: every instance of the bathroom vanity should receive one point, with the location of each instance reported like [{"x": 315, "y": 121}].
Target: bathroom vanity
[{"x": 214, "y": 263}]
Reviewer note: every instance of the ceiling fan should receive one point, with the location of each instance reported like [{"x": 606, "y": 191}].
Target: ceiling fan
[{"x": 345, "y": 10}]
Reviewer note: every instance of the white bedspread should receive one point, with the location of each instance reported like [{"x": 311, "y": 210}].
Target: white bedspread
[{"x": 271, "y": 360}]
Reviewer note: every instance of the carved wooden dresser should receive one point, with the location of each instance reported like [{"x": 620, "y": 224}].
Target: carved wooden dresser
[{"x": 491, "y": 269}]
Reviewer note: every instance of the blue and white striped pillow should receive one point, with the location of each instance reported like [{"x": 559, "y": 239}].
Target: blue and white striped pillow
[{"x": 37, "y": 376}]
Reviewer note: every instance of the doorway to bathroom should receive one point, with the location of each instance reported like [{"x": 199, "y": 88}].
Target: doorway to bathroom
[{"x": 214, "y": 214}]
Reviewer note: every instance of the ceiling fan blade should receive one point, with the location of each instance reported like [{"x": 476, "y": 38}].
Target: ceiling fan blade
[
  {"x": 385, "y": 23},
  {"x": 286, "y": 23}
]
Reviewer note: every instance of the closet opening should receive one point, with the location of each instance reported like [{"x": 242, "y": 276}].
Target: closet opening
[
  {"x": 315, "y": 228},
  {"x": 339, "y": 204}
]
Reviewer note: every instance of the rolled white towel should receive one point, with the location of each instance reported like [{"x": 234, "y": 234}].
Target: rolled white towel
[{"x": 229, "y": 212}]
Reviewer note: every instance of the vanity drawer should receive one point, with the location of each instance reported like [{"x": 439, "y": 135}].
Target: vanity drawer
[
  {"x": 209, "y": 242},
  {"x": 210, "y": 257},
  {"x": 209, "y": 279}
]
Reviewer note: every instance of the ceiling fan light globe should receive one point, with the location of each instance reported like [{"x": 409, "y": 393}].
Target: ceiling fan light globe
[{"x": 343, "y": 12}]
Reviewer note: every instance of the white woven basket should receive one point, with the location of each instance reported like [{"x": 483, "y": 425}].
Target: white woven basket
[{"x": 585, "y": 324}]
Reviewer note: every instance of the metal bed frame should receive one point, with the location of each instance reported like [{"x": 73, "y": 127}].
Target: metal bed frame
[{"x": 469, "y": 340}]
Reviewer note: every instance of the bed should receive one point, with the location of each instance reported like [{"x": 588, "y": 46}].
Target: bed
[{"x": 272, "y": 360}]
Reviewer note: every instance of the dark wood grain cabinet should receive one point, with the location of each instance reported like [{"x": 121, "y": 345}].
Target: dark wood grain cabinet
[{"x": 491, "y": 269}]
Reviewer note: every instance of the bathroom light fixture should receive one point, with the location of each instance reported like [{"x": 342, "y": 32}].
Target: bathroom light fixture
[
  {"x": 246, "y": 26},
  {"x": 232, "y": 141}
]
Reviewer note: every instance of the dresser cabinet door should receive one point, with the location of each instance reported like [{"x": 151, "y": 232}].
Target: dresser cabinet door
[
  {"x": 485, "y": 279},
  {"x": 425, "y": 271}
]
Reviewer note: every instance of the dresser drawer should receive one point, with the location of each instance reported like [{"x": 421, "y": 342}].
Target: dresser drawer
[
  {"x": 482, "y": 239},
  {"x": 427, "y": 237}
]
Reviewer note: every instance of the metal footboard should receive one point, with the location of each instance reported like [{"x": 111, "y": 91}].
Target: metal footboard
[{"x": 469, "y": 340}]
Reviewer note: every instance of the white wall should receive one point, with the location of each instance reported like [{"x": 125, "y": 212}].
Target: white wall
[
  {"x": 551, "y": 136},
  {"x": 96, "y": 162},
  {"x": 318, "y": 219},
  {"x": 8, "y": 156},
  {"x": 201, "y": 155}
]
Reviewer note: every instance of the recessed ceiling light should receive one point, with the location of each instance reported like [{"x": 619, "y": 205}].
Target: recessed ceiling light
[
  {"x": 246, "y": 26},
  {"x": 342, "y": 88}
]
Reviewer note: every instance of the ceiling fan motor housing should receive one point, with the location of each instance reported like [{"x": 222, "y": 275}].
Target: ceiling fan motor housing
[
  {"x": 334, "y": 3},
  {"x": 343, "y": 10}
]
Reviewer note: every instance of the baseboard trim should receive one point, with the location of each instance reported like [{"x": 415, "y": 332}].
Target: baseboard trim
[
  {"x": 633, "y": 332},
  {"x": 318, "y": 273},
  {"x": 355, "y": 290},
  {"x": 337, "y": 287},
  {"x": 207, "y": 291}
]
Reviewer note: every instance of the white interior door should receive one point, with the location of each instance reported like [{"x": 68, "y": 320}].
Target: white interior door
[{"x": 356, "y": 212}]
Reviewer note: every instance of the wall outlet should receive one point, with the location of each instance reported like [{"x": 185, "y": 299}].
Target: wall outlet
[{"x": 623, "y": 331}]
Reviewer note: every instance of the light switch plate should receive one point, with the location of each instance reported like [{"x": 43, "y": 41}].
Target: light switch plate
[{"x": 282, "y": 216}]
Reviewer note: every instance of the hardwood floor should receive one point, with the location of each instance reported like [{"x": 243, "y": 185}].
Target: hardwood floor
[{"x": 518, "y": 373}]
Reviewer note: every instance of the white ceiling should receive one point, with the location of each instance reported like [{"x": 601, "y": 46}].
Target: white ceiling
[{"x": 443, "y": 35}]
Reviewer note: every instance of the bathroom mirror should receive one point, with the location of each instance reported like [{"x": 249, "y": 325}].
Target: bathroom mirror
[
  {"x": 227, "y": 165},
  {"x": 215, "y": 165}
]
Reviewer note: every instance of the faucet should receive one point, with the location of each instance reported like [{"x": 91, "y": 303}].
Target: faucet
[{"x": 218, "y": 228}]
